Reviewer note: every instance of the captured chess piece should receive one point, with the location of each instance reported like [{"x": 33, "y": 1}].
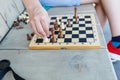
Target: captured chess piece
[
  {"x": 60, "y": 35},
  {"x": 24, "y": 17},
  {"x": 56, "y": 25},
  {"x": 16, "y": 23},
  {"x": 26, "y": 13},
  {"x": 20, "y": 18},
  {"x": 19, "y": 27},
  {"x": 26, "y": 20},
  {"x": 69, "y": 24},
  {"x": 32, "y": 34},
  {"x": 28, "y": 37}
]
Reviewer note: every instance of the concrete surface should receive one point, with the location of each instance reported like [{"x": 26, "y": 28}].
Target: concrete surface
[{"x": 57, "y": 65}]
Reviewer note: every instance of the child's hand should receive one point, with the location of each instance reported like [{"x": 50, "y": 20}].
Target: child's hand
[{"x": 39, "y": 21}]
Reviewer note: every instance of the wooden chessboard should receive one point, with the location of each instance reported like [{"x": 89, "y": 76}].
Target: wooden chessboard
[{"x": 83, "y": 35}]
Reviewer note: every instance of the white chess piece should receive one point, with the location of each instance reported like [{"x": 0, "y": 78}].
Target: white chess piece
[
  {"x": 23, "y": 16},
  {"x": 62, "y": 25},
  {"x": 25, "y": 13},
  {"x": 20, "y": 17},
  {"x": 58, "y": 21},
  {"x": 46, "y": 40},
  {"x": 27, "y": 21}
]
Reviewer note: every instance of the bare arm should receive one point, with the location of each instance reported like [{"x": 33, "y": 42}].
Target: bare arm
[
  {"x": 31, "y": 4},
  {"x": 39, "y": 18}
]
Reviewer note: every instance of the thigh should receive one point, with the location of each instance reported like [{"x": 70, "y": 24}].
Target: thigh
[{"x": 89, "y": 1}]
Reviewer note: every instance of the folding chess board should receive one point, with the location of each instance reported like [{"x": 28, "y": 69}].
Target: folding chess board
[{"x": 82, "y": 35}]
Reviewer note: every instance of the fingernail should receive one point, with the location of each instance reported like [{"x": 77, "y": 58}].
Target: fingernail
[
  {"x": 44, "y": 37},
  {"x": 48, "y": 34}
]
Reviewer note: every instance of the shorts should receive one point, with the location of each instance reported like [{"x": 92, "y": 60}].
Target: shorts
[{"x": 56, "y": 3}]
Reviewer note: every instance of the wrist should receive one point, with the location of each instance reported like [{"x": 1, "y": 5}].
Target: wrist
[
  {"x": 34, "y": 8},
  {"x": 32, "y": 5}
]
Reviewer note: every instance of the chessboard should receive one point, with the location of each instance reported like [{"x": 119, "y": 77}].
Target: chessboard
[{"x": 80, "y": 34}]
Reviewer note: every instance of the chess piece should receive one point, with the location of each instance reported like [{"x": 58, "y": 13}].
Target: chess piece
[
  {"x": 53, "y": 39},
  {"x": 15, "y": 23},
  {"x": 62, "y": 25},
  {"x": 26, "y": 20},
  {"x": 32, "y": 34},
  {"x": 19, "y": 27},
  {"x": 56, "y": 25},
  {"x": 52, "y": 31},
  {"x": 58, "y": 21},
  {"x": 75, "y": 13},
  {"x": 23, "y": 16},
  {"x": 60, "y": 35},
  {"x": 28, "y": 37},
  {"x": 45, "y": 40},
  {"x": 69, "y": 24},
  {"x": 26, "y": 13},
  {"x": 20, "y": 18},
  {"x": 76, "y": 20}
]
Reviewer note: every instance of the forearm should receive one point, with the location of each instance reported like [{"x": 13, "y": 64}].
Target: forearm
[{"x": 31, "y": 4}]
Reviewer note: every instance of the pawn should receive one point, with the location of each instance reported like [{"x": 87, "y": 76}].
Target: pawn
[
  {"x": 58, "y": 21},
  {"x": 76, "y": 20},
  {"x": 52, "y": 31},
  {"x": 26, "y": 13},
  {"x": 56, "y": 25},
  {"x": 28, "y": 37},
  {"x": 46, "y": 40},
  {"x": 60, "y": 35},
  {"x": 53, "y": 40},
  {"x": 15, "y": 23},
  {"x": 62, "y": 25},
  {"x": 20, "y": 18},
  {"x": 26, "y": 21},
  {"x": 32, "y": 34},
  {"x": 69, "y": 24},
  {"x": 19, "y": 27}
]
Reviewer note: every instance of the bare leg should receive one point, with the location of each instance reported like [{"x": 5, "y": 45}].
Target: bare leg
[
  {"x": 99, "y": 10},
  {"x": 112, "y": 10}
]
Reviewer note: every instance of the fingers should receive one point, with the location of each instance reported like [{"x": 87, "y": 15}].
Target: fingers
[
  {"x": 45, "y": 26},
  {"x": 40, "y": 29},
  {"x": 34, "y": 28},
  {"x": 40, "y": 22}
]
